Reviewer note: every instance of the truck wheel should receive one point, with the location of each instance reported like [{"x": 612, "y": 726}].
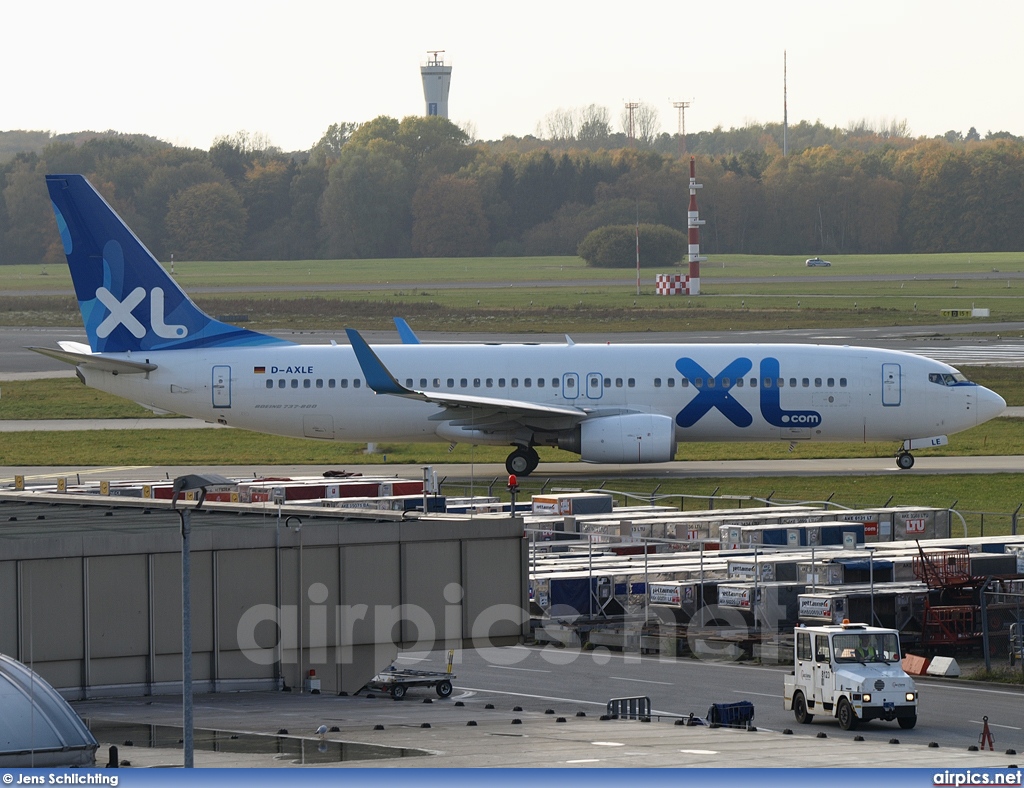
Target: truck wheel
[
  {"x": 847, "y": 717},
  {"x": 398, "y": 691},
  {"x": 907, "y": 722},
  {"x": 444, "y": 688},
  {"x": 800, "y": 709}
]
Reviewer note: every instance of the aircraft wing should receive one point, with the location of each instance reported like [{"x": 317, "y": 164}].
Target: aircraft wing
[
  {"x": 80, "y": 355},
  {"x": 484, "y": 409}
]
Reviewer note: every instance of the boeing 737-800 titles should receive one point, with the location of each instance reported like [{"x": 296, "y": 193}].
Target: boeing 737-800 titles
[{"x": 608, "y": 403}]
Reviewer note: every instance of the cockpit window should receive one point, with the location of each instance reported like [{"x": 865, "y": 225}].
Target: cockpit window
[{"x": 947, "y": 378}]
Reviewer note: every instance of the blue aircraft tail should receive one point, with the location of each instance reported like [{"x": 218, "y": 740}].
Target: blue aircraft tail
[{"x": 128, "y": 301}]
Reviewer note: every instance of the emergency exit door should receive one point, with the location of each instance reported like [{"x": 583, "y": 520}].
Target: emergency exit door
[
  {"x": 891, "y": 384},
  {"x": 222, "y": 386}
]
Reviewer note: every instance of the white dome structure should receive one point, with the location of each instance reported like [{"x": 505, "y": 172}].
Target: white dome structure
[{"x": 37, "y": 726}]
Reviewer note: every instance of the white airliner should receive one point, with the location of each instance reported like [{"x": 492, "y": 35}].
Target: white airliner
[{"x": 608, "y": 403}]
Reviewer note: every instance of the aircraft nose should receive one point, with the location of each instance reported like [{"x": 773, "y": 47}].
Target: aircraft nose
[{"x": 990, "y": 404}]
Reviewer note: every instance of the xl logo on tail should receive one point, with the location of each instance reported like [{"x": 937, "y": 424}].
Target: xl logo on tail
[{"x": 121, "y": 314}]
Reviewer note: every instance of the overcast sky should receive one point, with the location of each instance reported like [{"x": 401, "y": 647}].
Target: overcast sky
[{"x": 187, "y": 71}]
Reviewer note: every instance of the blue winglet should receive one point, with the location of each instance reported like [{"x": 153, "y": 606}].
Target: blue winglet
[
  {"x": 377, "y": 376},
  {"x": 405, "y": 332}
]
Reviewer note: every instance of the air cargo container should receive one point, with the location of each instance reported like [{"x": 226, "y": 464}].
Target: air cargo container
[
  {"x": 777, "y": 604},
  {"x": 895, "y": 604},
  {"x": 572, "y": 503}
]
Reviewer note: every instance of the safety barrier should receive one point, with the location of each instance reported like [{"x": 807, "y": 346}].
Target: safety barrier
[{"x": 630, "y": 708}]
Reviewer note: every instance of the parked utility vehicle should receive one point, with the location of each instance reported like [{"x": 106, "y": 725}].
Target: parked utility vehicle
[{"x": 852, "y": 672}]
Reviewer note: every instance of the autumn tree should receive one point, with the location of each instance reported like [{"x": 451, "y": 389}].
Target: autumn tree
[
  {"x": 616, "y": 246},
  {"x": 367, "y": 208},
  {"x": 206, "y": 222},
  {"x": 448, "y": 219},
  {"x": 31, "y": 233}
]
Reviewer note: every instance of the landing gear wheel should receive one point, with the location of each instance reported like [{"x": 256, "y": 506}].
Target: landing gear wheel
[
  {"x": 444, "y": 689},
  {"x": 800, "y": 709},
  {"x": 905, "y": 460},
  {"x": 398, "y": 692},
  {"x": 907, "y": 722},
  {"x": 847, "y": 717},
  {"x": 522, "y": 462}
]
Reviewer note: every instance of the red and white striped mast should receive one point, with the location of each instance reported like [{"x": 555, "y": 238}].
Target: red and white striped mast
[{"x": 693, "y": 222}]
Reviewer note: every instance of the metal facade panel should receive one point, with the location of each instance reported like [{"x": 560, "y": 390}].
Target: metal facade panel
[
  {"x": 52, "y": 621},
  {"x": 370, "y": 576},
  {"x": 428, "y": 568},
  {"x": 118, "y": 606},
  {"x": 8, "y": 607}
]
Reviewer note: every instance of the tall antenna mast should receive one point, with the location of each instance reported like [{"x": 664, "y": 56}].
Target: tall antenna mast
[
  {"x": 681, "y": 106},
  {"x": 785, "y": 107},
  {"x": 631, "y": 107}
]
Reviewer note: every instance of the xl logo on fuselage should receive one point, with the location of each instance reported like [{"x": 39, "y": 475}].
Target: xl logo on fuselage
[
  {"x": 713, "y": 393},
  {"x": 121, "y": 314}
]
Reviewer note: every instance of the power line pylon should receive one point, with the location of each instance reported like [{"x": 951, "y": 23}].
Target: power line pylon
[
  {"x": 631, "y": 107},
  {"x": 681, "y": 107}
]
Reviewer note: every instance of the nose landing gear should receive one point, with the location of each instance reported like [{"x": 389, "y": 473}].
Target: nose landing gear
[{"x": 904, "y": 460}]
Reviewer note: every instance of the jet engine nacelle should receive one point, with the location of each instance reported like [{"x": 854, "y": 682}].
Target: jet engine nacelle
[{"x": 635, "y": 437}]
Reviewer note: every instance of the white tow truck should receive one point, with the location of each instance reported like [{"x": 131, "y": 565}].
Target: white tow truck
[{"x": 852, "y": 672}]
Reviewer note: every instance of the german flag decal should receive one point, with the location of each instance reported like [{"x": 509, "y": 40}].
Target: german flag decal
[{"x": 259, "y": 370}]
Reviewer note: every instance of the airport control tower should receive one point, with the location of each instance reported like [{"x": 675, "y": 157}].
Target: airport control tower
[{"x": 437, "y": 79}]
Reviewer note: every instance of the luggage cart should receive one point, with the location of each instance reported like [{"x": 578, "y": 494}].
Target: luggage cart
[{"x": 397, "y": 681}]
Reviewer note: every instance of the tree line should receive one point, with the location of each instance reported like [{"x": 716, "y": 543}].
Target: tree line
[{"x": 420, "y": 187}]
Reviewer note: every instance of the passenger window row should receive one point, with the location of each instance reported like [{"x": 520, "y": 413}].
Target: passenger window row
[
  {"x": 464, "y": 383},
  {"x": 570, "y": 383},
  {"x": 308, "y": 383},
  {"x": 725, "y": 383}
]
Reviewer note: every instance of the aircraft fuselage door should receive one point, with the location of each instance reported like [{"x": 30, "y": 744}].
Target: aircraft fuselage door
[
  {"x": 891, "y": 384},
  {"x": 570, "y": 385},
  {"x": 595, "y": 385},
  {"x": 222, "y": 386}
]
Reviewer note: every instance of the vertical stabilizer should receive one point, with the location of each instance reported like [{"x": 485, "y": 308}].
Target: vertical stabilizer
[{"x": 128, "y": 301}]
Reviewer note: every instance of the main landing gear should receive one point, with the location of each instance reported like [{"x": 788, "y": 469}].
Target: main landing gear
[
  {"x": 523, "y": 461},
  {"x": 904, "y": 460}
]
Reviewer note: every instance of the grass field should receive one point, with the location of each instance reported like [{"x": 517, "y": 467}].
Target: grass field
[
  {"x": 182, "y": 447},
  {"x": 519, "y": 269},
  {"x": 592, "y": 304}
]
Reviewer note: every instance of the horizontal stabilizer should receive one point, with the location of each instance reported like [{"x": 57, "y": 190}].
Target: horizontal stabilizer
[{"x": 104, "y": 363}]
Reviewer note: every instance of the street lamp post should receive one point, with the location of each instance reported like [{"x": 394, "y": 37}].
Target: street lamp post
[
  {"x": 299, "y": 600},
  {"x": 182, "y": 483},
  {"x": 871, "y": 581}
]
